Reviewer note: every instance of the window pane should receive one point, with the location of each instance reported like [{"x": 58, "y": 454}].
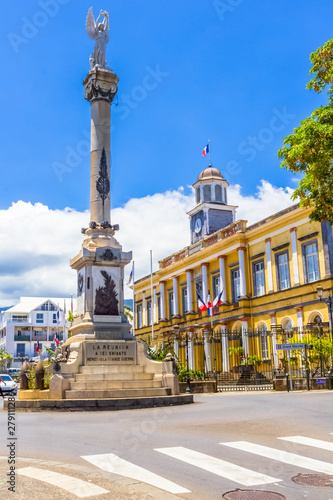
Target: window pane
[
  {"x": 312, "y": 264},
  {"x": 283, "y": 271},
  {"x": 259, "y": 278}
]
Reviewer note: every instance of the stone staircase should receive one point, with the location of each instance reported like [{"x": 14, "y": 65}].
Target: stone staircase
[{"x": 115, "y": 381}]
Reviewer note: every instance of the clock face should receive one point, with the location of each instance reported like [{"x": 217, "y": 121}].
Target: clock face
[{"x": 198, "y": 225}]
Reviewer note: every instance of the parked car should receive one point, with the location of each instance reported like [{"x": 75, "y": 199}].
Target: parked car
[
  {"x": 8, "y": 385},
  {"x": 15, "y": 373}
]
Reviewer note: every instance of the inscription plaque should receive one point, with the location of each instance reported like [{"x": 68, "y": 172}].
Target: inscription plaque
[
  {"x": 115, "y": 335},
  {"x": 109, "y": 353}
]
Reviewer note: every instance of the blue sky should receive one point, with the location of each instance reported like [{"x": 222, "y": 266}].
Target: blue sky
[
  {"x": 225, "y": 76},
  {"x": 232, "y": 71}
]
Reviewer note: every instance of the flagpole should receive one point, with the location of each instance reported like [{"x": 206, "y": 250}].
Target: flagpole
[
  {"x": 133, "y": 299},
  {"x": 151, "y": 294},
  {"x": 209, "y": 151}
]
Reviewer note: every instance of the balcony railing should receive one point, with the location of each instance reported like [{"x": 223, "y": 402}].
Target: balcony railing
[
  {"x": 39, "y": 337},
  {"x": 51, "y": 337},
  {"x": 22, "y": 338}
]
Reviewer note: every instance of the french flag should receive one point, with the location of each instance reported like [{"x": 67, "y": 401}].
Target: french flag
[
  {"x": 218, "y": 300},
  {"x": 58, "y": 315},
  {"x": 56, "y": 339},
  {"x": 201, "y": 305},
  {"x": 37, "y": 346},
  {"x": 209, "y": 305},
  {"x": 205, "y": 150}
]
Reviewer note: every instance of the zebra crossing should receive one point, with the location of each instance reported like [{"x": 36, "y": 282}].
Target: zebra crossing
[{"x": 218, "y": 466}]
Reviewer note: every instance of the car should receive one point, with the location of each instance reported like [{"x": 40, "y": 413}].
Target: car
[
  {"x": 15, "y": 373},
  {"x": 8, "y": 385}
]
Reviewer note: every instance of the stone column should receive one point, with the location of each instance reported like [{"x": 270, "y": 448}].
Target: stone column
[
  {"x": 225, "y": 349},
  {"x": 299, "y": 311},
  {"x": 190, "y": 351},
  {"x": 207, "y": 352},
  {"x": 154, "y": 313},
  {"x": 144, "y": 321},
  {"x": 275, "y": 353},
  {"x": 175, "y": 295},
  {"x": 294, "y": 251},
  {"x": 269, "y": 265},
  {"x": 100, "y": 88},
  {"x": 242, "y": 277},
  {"x": 204, "y": 282},
  {"x": 176, "y": 346},
  {"x": 223, "y": 287},
  {"x": 162, "y": 300},
  {"x": 245, "y": 337},
  {"x": 189, "y": 290}
]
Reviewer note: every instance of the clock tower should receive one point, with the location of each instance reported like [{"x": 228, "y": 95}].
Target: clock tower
[{"x": 212, "y": 211}]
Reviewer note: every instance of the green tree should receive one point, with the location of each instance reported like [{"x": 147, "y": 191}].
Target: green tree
[
  {"x": 5, "y": 359},
  {"x": 128, "y": 313},
  {"x": 309, "y": 149}
]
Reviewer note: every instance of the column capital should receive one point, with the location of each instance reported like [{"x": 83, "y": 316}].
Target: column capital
[
  {"x": 188, "y": 270},
  {"x": 222, "y": 257},
  {"x": 267, "y": 240},
  {"x": 240, "y": 248},
  {"x": 161, "y": 282},
  {"x": 299, "y": 308},
  {"x": 293, "y": 229},
  {"x": 224, "y": 323},
  {"x": 175, "y": 277},
  {"x": 273, "y": 315},
  {"x": 204, "y": 264},
  {"x": 100, "y": 85},
  {"x": 154, "y": 287}
]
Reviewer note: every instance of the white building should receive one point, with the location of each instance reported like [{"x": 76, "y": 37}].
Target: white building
[{"x": 34, "y": 319}]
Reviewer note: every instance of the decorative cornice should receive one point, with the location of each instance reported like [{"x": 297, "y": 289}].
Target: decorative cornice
[
  {"x": 308, "y": 236},
  {"x": 94, "y": 92}
]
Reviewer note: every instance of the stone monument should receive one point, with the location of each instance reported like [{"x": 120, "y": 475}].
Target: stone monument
[
  {"x": 102, "y": 366},
  {"x": 100, "y": 263}
]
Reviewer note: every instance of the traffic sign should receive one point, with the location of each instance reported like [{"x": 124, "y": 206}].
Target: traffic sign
[{"x": 288, "y": 347}]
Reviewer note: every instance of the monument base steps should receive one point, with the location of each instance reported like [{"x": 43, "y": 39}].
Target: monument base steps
[{"x": 117, "y": 393}]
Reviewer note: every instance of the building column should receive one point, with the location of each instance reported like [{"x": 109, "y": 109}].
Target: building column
[
  {"x": 269, "y": 265},
  {"x": 154, "y": 312},
  {"x": 223, "y": 287},
  {"x": 162, "y": 300},
  {"x": 294, "y": 251},
  {"x": 242, "y": 277},
  {"x": 299, "y": 311},
  {"x": 245, "y": 337},
  {"x": 208, "y": 364},
  {"x": 175, "y": 295},
  {"x": 144, "y": 321},
  {"x": 189, "y": 290},
  {"x": 204, "y": 282},
  {"x": 273, "y": 331},
  {"x": 190, "y": 351},
  {"x": 176, "y": 346},
  {"x": 225, "y": 349}
]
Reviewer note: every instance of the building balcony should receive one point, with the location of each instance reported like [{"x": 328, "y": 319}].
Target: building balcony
[
  {"x": 22, "y": 338},
  {"x": 51, "y": 337},
  {"x": 35, "y": 338}
]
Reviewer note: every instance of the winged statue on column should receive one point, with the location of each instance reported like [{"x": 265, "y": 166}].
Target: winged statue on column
[{"x": 98, "y": 31}]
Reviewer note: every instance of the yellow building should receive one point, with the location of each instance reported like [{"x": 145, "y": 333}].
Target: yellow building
[{"x": 267, "y": 273}]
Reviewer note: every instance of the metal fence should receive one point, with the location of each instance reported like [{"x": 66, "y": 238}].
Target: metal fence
[{"x": 252, "y": 359}]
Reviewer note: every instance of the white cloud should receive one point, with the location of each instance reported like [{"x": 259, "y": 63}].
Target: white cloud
[{"x": 36, "y": 243}]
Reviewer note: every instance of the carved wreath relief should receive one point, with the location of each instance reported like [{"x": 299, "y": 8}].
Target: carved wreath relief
[
  {"x": 106, "y": 302},
  {"x": 103, "y": 183},
  {"x": 79, "y": 284}
]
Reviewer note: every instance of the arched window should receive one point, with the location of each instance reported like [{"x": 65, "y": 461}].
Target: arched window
[
  {"x": 287, "y": 324},
  {"x": 198, "y": 195},
  {"x": 218, "y": 193},
  {"x": 262, "y": 327},
  {"x": 207, "y": 193}
]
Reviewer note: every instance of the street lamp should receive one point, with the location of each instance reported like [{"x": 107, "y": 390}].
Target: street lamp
[{"x": 329, "y": 301}]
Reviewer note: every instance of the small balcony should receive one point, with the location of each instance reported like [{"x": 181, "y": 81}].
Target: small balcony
[
  {"x": 60, "y": 337},
  {"x": 42, "y": 337},
  {"x": 22, "y": 338}
]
